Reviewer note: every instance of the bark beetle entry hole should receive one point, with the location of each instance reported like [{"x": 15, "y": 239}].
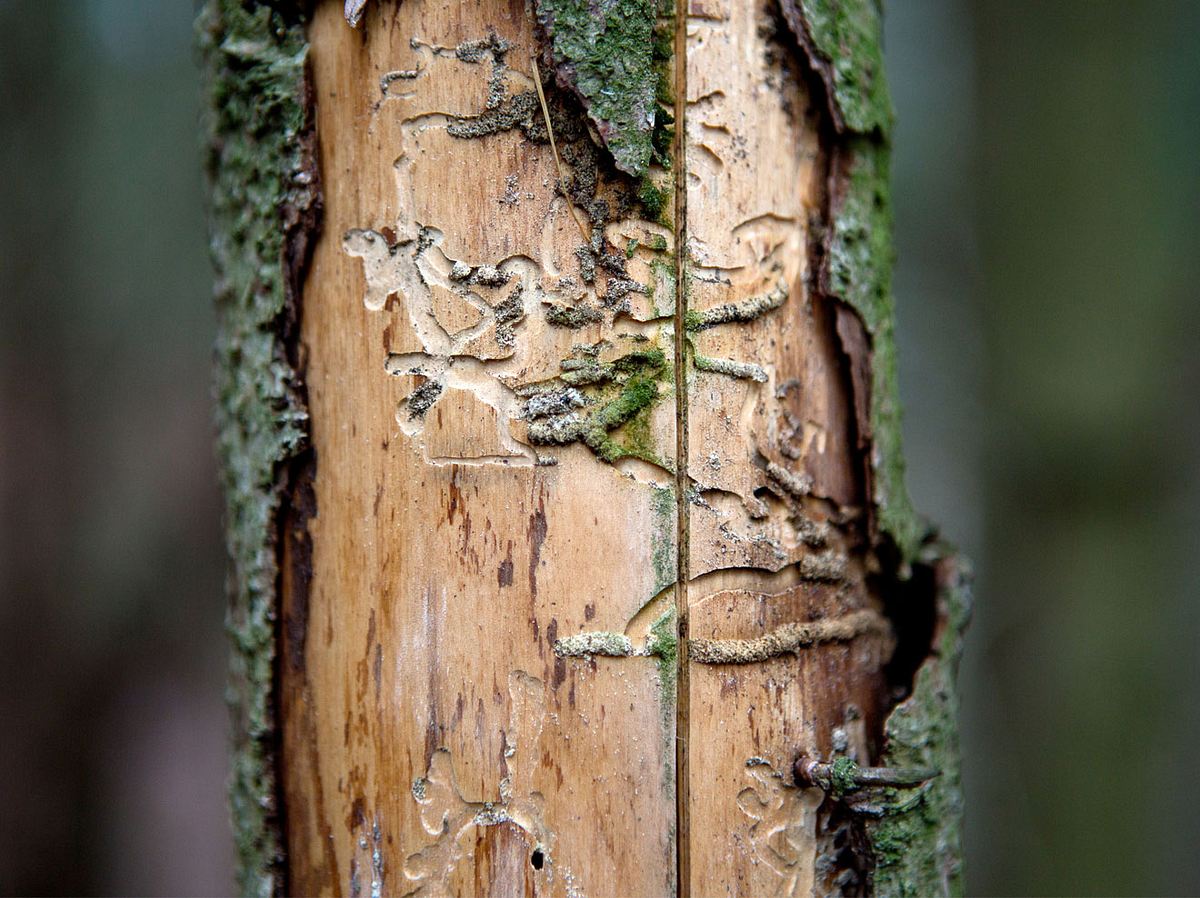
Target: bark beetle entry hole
[{"x": 537, "y": 859}]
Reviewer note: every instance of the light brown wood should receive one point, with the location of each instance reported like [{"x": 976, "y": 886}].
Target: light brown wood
[
  {"x": 478, "y": 685},
  {"x": 773, "y": 528}
]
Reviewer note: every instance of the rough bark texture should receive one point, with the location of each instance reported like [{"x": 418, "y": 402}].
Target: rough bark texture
[
  {"x": 262, "y": 192},
  {"x": 606, "y": 458}
]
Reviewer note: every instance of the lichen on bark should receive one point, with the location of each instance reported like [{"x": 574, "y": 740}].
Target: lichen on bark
[
  {"x": 918, "y": 851},
  {"x": 843, "y": 41},
  {"x": 604, "y": 51},
  {"x": 261, "y": 187},
  {"x": 859, "y": 272},
  {"x": 916, "y": 846}
]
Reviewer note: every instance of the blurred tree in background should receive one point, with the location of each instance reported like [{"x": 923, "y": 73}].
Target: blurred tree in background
[
  {"x": 1048, "y": 204},
  {"x": 111, "y": 566}
]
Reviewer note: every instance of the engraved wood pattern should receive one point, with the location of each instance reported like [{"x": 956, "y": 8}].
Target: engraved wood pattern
[
  {"x": 478, "y": 671},
  {"x": 775, "y": 529}
]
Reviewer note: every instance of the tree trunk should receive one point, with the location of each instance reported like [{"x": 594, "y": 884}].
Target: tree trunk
[{"x": 566, "y": 562}]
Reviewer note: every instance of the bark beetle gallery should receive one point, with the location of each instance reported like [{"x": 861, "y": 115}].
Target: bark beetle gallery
[{"x": 557, "y": 409}]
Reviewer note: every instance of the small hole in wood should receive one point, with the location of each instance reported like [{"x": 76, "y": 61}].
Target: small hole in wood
[{"x": 537, "y": 859}]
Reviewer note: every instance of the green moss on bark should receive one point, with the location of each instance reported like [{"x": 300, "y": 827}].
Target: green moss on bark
[
  {"x": 918, "y": 852},
  {"x": 916, "y": 847},
  {"x": 843, "y": 42},
  {"x": 860, "y": 259},
  {"x": 620, "y": 397},
  {"x": 663, "y": 644},
  {"x": 844, "y": 36},
  {"x": 605, "y": 50},
  {"x": 254, "y": 58},
  {"x": 844, "y": 776}
]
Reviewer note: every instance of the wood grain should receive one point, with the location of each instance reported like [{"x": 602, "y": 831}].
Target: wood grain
[
  {"x": 477, "y": 689},
  {"x": 775, "y": 528}
]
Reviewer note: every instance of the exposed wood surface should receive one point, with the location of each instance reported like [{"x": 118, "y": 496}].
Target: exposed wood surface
[
  {"x": 775, "y": 466},
  {"x": 477, "y": 668}
]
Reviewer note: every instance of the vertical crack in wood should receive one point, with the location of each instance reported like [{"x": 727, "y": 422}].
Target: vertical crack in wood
[{"x": 682, "y": 769}]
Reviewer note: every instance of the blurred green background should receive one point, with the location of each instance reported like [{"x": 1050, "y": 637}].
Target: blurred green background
[{"x": 1047, "y": 187}]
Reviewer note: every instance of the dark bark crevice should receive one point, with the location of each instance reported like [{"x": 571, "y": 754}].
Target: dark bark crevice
[
  {"x": 907, "y": 575},
  {"x": 301, "y": 218}
]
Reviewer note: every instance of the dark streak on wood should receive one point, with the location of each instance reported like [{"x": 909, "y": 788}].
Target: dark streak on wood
[
  {"x": 293, "y": 694},
  {"x": 377, "y": 669},
  {"x": 504, "y": 574},
  {"x": 433, "y": 726},
  {"x": 300, "y": 221},
  {"x": 855, "y": 348},
  {"x": 301, "y": 217},
  {"x": 560, "y": 666},
  {"x": 502, "y": 861},
  {"x": 300, "y": 507},
  {"x": 537, "y": 536}
]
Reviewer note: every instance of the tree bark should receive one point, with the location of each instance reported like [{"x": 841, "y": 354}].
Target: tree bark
[{"x": 556, "y": 396}]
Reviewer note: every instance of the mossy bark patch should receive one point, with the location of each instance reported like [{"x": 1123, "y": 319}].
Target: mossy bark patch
[
  {"x": 919, "y": 851},
  {"x": 858, "y": 271},
  {"x": 604, "y": 51},
  {"x": 261, "y": 184},
  {"x": 842, "y": 41},
  {"x": 612, "y": 413},
  {"x": 844, "y": 776},
  {"x": 917, "y": 845}
]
